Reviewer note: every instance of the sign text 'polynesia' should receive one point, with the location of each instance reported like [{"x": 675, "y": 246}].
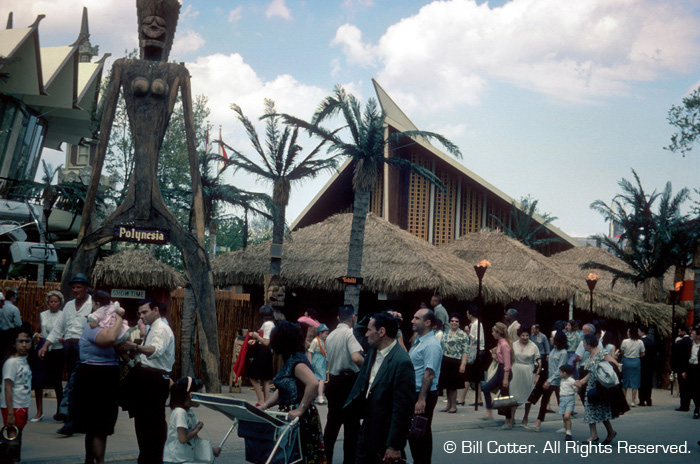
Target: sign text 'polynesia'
[{"x": 123, "y": 233}]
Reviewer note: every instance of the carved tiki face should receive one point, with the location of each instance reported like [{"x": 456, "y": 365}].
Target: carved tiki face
[{"x": 157, "y": 23}]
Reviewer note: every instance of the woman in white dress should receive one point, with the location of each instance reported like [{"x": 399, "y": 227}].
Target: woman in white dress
[{"x": 526, "y": 364}]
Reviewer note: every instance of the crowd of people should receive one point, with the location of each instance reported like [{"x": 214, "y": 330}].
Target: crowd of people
[{"x": 380, "y": 385}]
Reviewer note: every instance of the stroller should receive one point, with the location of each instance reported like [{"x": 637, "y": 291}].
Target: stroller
[{"x": 269, "y": 437}]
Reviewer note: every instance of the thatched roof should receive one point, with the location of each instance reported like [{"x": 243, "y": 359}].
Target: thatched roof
[
  {"x": 525, "y": 272},
  {"x": 528, "y": 274},
  {"x": 571, "y": 260},
  {"x": 136, "y": 269},
  {"x": 394, "y": 261}
]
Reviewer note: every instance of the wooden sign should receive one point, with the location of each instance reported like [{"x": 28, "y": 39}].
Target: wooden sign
[
  {"x": 124, "y": 233},
  {"x": 350, "y": 280},
  {"x": 128, "y": 293}
]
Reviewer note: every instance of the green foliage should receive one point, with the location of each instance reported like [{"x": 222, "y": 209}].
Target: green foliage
[
  {"x": 656, "y": 234},
  {"x": 686, "y": 118},
  {"x": 524, "y": 227},
  {"x": 366, "y": 142}
]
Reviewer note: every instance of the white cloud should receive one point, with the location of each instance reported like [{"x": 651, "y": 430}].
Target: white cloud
[
  {"x": 278, "y": 8},
  {"x": 187, "y": 41},
  {"x": 583, "y": 51},
  {"x": 235, "y": 14},
  {"x": 227, "y": 79},
  {"x": 349, "y": 37}
]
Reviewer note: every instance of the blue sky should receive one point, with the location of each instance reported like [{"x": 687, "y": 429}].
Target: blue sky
[{"x": 559, "y": 99}]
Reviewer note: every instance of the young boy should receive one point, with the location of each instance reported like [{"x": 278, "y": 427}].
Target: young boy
[{"x": 567, "y": 395}]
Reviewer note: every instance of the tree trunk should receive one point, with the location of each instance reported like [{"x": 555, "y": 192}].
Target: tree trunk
[
  {"x": 245, "y": 229},
  {"x": 278, "y": 238},
  {"x": 187, "y": 338},
  {"x": 212, "y": 239},
  {"x": 360, "y": 208}
]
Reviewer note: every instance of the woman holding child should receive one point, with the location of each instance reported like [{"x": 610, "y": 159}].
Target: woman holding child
[{"x": 96, "y": 383}]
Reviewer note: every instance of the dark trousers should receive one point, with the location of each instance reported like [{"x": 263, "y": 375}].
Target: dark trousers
[
  {"x": 496, "y": 383},
  {"x": 149, "y": 416},
  {"x": 694, "y": 385},
  {"x": 582, "y": 391},
  {"x": 337, "y": 391},
  {"x": 422, "y": 448},
  {"x": 646, "y": 383},
  {"x": 53, "y": 368},
  {"x": 546, "y": 395},
  {"x": 72, "y": 358}
]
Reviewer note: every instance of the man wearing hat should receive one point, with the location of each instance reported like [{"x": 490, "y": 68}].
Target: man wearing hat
[{"x": 68, "y": 329}]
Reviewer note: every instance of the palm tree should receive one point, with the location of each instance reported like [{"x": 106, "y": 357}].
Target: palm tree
[
  {"x": 279, "y": 162},
  {"x": 651, "y": 241},
  {"x": 366, "y": 149},
  {"x": 523, "y": 226},
  {"x": 215, "y": 193}
]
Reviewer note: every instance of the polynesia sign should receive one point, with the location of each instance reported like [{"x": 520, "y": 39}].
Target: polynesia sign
[{"x": 124, "y": 233}]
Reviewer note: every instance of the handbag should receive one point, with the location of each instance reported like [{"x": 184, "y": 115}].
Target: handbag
[
  {"x": 504, "y": 402},
  {"x": 203, "y": 452},
  {"x": 606, "y": 375},
  {"x": 419, "y": 424},
  {"x": 10, "y": 448}
]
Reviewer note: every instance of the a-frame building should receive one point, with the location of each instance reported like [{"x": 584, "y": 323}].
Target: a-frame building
[{"x": 411, "y": 202}]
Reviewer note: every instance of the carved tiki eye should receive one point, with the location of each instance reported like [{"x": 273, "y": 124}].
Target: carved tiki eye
[
  {"x": 159, "y": 88},
  {"x": 140, "y": 86},
  {"x": 153, "y": 27}
]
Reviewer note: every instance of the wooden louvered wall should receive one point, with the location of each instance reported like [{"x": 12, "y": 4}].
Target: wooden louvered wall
[
  {"x": 471, "y": 209},
  {"x": 376, "y": 201},
  {"x": 500, "y": 213},
  {"x": 445, "y": 209},
  {"x": 418, "y": 200}
]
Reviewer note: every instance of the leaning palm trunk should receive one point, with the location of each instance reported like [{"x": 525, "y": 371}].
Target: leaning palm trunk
[
  {"x": 212, "y": 239},
  {"x": 278, "y": 237},
  {"x": 652, "y": 290},
  {"x": 187, "y": 338},
  {"x": 357, "y": 240}
]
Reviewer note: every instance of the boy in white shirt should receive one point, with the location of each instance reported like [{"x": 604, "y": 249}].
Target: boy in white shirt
[{"x": 567, "y": 397}]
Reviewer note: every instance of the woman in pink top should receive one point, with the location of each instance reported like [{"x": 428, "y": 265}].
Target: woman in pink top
[{"x": 504, "y": 357}]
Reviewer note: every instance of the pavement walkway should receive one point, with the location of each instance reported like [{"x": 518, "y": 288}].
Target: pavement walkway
[{"x": 41, "y": 443}]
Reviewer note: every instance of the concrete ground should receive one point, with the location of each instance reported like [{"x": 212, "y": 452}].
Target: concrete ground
[{"x": 41, "y": 443}]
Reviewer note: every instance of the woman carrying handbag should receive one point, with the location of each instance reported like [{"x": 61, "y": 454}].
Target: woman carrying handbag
[{"x": 504, "y": 357}]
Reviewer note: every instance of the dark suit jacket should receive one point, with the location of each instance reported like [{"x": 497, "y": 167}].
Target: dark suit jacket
[
  {"x": 388, "y": 410},
  {"x": 649, "y": 359},
  {"x": 681, "y": 355}
]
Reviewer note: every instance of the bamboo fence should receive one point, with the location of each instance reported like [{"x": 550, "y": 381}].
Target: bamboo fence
[{"x": 233, "y": 313}]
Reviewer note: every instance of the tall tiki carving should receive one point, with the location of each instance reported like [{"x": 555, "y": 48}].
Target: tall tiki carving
[{"x": 150, "y": 86}]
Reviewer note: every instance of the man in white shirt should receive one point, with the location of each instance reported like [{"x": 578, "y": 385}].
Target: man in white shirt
[
  {"x": 383, "y": 394},
  {"x": 476, "y": 369},
  {"x": 68, "y": 329},
  {"x": 344, "y": 355},
  {"x": 148, "y": 383},
  {"x": 9, "y": 319},
  {"x": 511, "y": 318}
]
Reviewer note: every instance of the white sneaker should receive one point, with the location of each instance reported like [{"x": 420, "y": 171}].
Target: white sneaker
[{"x": 320, "y": 400}]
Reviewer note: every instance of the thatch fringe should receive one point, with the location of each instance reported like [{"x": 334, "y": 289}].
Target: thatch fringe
[
  {"x": 571, "y": 260},
  {"x": 394, "y": 261},
  {"x": 135, "y": 269}
]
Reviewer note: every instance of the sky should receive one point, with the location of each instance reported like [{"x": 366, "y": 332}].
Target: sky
[{"x": 557, "y": 99}]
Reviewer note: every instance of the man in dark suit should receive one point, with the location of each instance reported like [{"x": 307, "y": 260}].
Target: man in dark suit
[
  {"x": 680, "y": 357},
  {"x": 648, "y": 366},
  {"x": 383, "y": 394}
]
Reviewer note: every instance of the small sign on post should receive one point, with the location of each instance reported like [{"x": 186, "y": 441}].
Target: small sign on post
[
  {"x": 126, "y": 233},
  {"x": 350, "y": 280},
  {"x": 128, "y": 293}
]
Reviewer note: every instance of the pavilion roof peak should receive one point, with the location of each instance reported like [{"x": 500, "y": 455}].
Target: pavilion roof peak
[{"x": 391, "y": 109}]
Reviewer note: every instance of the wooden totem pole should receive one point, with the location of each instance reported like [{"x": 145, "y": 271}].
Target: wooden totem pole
[{"x": 150, "y": 87}]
